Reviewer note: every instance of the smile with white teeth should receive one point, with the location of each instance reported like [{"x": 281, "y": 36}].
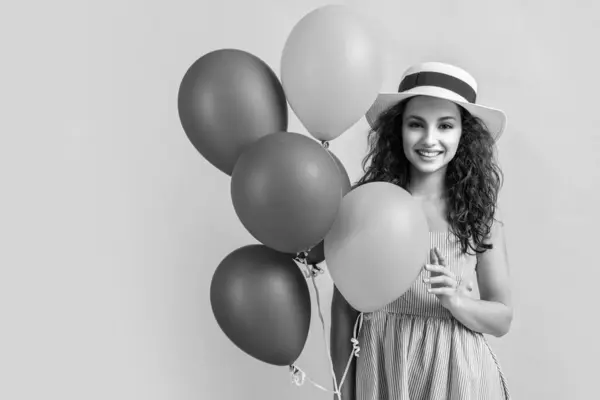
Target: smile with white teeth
[{"x": 426, "y": 153}]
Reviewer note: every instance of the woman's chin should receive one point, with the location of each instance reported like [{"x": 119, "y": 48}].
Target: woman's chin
[{"x": 427, "y": 168}]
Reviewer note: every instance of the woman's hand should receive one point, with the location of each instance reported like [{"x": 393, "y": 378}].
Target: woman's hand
[{"x": 443, "y": 283}]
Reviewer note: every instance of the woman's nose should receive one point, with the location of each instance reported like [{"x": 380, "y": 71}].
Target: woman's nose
[{"x": 430, "y": 135}]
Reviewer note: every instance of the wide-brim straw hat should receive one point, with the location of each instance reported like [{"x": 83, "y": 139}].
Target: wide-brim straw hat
[{"x": 443, "y": 81}]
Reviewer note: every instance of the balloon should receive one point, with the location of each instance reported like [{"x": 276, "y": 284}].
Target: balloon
[
  {"x": 261, "y": 301},
  {"x": 228, "y": 99},
  {"x": 286, "y": 191},
  {"x": 346, "y": 184},
  {"x": 317, "y": 254},
  {"x": 377, "y": 245},
  {"x": 331, "y": 70}
]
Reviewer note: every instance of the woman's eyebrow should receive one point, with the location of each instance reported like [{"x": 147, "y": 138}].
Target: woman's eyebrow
[{"x": 448, "y": 117}]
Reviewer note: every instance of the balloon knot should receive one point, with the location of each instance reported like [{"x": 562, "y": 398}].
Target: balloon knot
[
  {"x": 355, "y": 346},
  {"x": 325, "y": 144},
  {"x": 302, "y": 257},
  {"x": 298, "y": 376},
  {"x": 316, "y": 270},
  {"x": 312, "y": 271}
]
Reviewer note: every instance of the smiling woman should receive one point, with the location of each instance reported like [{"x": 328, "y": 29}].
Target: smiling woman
[
  {"x": 434, "y": 141},
  {"x": 431, "y": 131}
]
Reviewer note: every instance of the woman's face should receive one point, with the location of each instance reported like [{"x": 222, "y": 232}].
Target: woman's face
[{"x": 431, "y": 131}]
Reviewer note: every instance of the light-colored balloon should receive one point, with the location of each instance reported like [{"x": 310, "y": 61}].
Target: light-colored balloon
[
  {"x": 331, "y": 70},
  {"x": 377, "y": 245}
]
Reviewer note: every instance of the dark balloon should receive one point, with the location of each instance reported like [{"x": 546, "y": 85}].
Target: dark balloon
[
  {"x": 261, "y": 301},
  {"x": 317, "y": 254},
  {"x": 346, "y": 184},
  {"x": 228, "y": 99},
  {"x": 286, "y": 191}
]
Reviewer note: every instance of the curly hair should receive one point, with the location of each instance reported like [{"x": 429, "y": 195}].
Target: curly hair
[{"x": 473, "y": 178}]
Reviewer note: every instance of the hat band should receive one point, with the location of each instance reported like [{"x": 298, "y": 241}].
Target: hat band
[{"x": 449, "y": 82}]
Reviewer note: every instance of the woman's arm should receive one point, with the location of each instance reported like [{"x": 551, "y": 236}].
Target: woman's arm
[
  {"x": 493, "y": 313},
  {"x": 343, "y": 318}
]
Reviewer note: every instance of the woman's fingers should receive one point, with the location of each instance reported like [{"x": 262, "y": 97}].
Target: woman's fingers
[
  {"x": 443, "y": 291},
  {"x": 440, "y": 276},
  {"x": 441, "y": 280},
  {"x": 433, "y": 256},
  {"x": 440, "y": 269},
  {"x": 441, "y": 260}
]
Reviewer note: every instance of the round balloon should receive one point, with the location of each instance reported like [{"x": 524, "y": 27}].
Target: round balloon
[
  {"x": 317, "y": 254},
  {"x": 345, "y": 179},
  {"x": 261, "y": 301},
  {"x": 286, "y": 190},
  {"x": 228, "y": 99},
  {"x": 377, "y": 245},
  {"x": 331, "y": 70}
]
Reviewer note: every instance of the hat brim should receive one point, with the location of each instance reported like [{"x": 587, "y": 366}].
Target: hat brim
[{"x": 494, "y": 119}]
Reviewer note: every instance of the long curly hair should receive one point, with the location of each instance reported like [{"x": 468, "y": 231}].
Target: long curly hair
[{"x": 473, "y": 177}]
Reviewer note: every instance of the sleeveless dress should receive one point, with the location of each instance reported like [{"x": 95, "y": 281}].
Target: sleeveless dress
[{"x": 414, "y": 349}]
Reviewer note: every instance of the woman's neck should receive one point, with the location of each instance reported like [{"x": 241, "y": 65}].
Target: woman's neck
[{"x": 428, "y": 186}]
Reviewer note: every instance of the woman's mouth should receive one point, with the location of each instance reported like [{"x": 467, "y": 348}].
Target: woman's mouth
[{"x": 428, "y": 154}]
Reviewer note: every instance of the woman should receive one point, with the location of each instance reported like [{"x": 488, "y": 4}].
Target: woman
[{"x": 432, "y": 139}]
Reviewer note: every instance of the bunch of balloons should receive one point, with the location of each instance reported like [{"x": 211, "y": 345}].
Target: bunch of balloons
[{"x": 289, "y": 191}]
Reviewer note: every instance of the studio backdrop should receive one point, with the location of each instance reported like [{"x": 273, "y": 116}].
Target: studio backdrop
[{"x": 112, "y": 224}]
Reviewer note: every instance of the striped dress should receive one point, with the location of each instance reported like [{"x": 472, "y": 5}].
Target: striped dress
[{"x": 414, "y": 349}]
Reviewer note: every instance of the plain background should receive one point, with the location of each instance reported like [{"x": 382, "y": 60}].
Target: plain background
[{"x": 111, "y": 224}]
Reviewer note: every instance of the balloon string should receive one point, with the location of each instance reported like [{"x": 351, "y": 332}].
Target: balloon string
[
  {"x": 309, "y": 271},
  {"x": 335, "y": 385},
  {"x": 355, "y": 346},
  {"x": 298, "y": 376}
]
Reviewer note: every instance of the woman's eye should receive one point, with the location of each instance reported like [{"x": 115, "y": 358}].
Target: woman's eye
[
  {"x": 414, "y": 125},
  {"x": 446, "y": 126}
]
